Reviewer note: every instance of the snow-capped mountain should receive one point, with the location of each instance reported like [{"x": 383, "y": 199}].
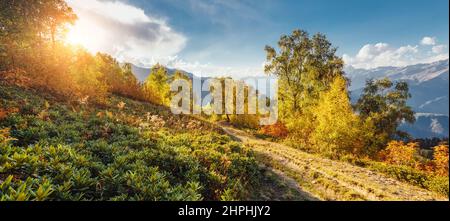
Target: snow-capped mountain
[
  {"x": 415, "y": 74},
  {"x": 429, "y": 87}
]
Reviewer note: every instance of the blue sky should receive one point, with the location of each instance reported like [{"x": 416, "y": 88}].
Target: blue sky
[{"x": 228, "y": 36}]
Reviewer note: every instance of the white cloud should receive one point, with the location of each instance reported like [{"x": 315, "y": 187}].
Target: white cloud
[
  {"x": 436, "y": 127},
  {"x": 428, "y": 41},
  {"x": 382, "y": 54},
  {"x": 439, "y": 49},
  {"x": 124, "y": 31}
]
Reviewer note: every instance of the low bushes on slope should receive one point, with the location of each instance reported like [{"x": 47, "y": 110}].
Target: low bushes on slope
[{"x": 55, "y": 151}]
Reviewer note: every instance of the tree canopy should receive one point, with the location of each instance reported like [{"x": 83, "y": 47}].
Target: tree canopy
[{"x": 385, "y": 104}]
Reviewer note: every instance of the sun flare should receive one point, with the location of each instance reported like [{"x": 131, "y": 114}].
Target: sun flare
[
  {"x": 85, "y": 34},
  {"x": 74, "y": 36}
]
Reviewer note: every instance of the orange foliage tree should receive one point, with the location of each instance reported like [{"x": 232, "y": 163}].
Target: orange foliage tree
[
  {"x": 399, "y": 153},
  {"x": 440, "y": 160}
]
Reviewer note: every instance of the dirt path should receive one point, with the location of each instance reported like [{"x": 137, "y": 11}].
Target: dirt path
[{"x": 324, "y": 179}]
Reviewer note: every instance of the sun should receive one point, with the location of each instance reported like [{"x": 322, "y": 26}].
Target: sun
[
  {"x": 85, "y": 34},
  {"x": 74, "y": 36}
]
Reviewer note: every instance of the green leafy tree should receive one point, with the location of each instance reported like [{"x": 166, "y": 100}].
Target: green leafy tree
[{"x": 385, "y": 105}]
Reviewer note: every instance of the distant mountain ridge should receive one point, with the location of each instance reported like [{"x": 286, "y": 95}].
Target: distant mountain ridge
[
  {"x": 429, "y": 87},
  {"x": 142, "y": 73}
]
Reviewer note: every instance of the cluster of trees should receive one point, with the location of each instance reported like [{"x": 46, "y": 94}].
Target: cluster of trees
[
  {"x": 407, "y": 154},
  {"x": 33, "y": 53},
  {"x": 316, "y": 113},
  {"x": 314, "y": 99},
  {"x": 238, "y": 108},
  {"x": 29, "y": 40}
]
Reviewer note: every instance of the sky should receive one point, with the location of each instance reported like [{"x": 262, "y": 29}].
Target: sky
[{"x": 227, "y": 37}]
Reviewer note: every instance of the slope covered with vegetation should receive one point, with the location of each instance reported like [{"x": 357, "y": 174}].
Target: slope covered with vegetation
[
  {"x": 80, "y": 126},
  {"x": 126, "y": 150}
]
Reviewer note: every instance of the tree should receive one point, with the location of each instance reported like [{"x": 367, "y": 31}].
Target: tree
[
  {"x": 88, "y": 77},
  {"x": 338, "y": 130},
  {"x": 129, "y": 85},
  {"x": 440, "y": 160},
  {"x": 384, "y": 104},
  {"x": 56, "y": 15},
  {"x": 27, "y": 26},
  {"x": 304, "y": 66},
  {"x": 399, "y": 153},
  {"x": 157, "y": 86},
  {"x": 119, "y": 79}
]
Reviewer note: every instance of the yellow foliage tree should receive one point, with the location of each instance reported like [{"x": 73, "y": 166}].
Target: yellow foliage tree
[
  {"x": 157, "y": 87},
  {"x": 89, "y": 78},
  {"x": 338, "y": 129}
]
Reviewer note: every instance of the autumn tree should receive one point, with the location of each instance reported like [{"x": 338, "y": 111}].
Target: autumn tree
[
  {"x": 56, "y": 15},
  {"x": 385, "y": 105},
  {"x": 304, "y": 66},
  {"x": 440, "y": 160},
  {"x": 88, "y": 77},
  {"x": 400, "y": 153},
  {"x": 28, "y": 26},
  {"x": 119, "y": 78},
  {"x": 338, "y": 130},
  {"x": 243, "y": 107},
  {"x": 129, "y": 84},
  {"x": 157, "y": 85},
  {"x": 111, "y": 70}
]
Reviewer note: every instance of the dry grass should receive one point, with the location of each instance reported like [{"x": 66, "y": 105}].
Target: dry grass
[{"x": 331, "y": 180}]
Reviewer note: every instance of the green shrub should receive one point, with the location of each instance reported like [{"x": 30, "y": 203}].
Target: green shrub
[
  {"x": 439, "y": 185},
  {"x": 416, "y": 177},
  {"x": 78, "y": 154}
]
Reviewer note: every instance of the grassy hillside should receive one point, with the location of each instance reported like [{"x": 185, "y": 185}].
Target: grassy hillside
[
  {"x": 130, "y": 150},
  {"x": 125, "y": 150},
  {"x": 326, "y": 179}
]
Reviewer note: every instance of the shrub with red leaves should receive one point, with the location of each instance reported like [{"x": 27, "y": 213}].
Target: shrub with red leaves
[{"x": 277, "y": 130}]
